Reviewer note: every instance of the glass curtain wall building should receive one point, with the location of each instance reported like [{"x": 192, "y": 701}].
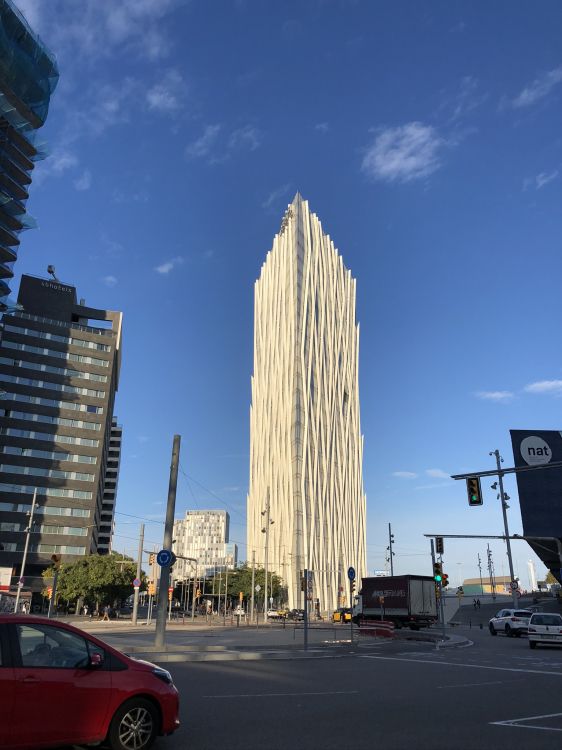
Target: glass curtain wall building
[
  {"x": 28, "y": 76},
  {"x": 59, "y": 370},
  {"x": 306, "y": 447}
]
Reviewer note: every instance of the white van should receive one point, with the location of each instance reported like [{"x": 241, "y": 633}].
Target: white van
[{"x": 545, "y": 627}]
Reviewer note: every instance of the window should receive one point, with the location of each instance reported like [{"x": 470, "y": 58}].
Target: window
[{"x": 46, "y": 646}]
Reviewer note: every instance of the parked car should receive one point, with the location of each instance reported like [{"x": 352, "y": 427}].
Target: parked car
[
  {"x": 296, "y": 614},
  {"x": 510, "y": 621},
  {"x": 88, "y": 691},
  {"x": 545, "y": 627},
  {"x": 343, "y": 614},
  {"x": 239, "y": 612}
]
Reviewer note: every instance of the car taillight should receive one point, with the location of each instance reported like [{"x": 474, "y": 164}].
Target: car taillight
[{"x": 532, "y": 630}]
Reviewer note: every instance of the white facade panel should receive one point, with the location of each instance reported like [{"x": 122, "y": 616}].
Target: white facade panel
[{"x": 306, "y": 448}]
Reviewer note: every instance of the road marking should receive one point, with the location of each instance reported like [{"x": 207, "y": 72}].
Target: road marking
[
  {"x": 461, "y": 664},
  {"x": 516, "y": 723},
  {"x": 470, "y": 684},
  {"x": 281, "y": 695}
]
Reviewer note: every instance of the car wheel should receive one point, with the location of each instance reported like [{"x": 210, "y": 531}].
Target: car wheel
[
  {"x": 508, "y": 632},
  {"x": 134, "y": 726},
  {"x": 532, "y": 644},
  {"x": 493, "y": 631}
]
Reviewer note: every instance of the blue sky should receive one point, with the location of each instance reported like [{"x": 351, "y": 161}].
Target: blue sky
[{"x": 426, "y": 136}]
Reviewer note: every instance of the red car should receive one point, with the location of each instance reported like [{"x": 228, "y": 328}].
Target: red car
[{"x": 61, "y": 686}]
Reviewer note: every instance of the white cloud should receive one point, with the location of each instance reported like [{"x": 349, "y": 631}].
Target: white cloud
[
  {"x": 322, "y": 127},
  {"x": 495, "y": 395},
  {"x": 538, "y": 89},
  {"x": 437, "y": 474},
  {"x": 275, "y": 195},
  {"x": 166, "y": 267},
  {"x": 203, "y": 145},
  {"x": 247, "y": 137},
  {"x": 165, "y": 96},
  {"x": 552, "y": 387},
  {"x": 55, "y": 165},
  {"x": 84, "y": 182},
  {"x": 405, "y": 153},
  {"x": 467, "y": 98},
  {"x": 404, "y": 474},
  {"x": 544, "y": 178},
  {"x": 109, "y": 281}
]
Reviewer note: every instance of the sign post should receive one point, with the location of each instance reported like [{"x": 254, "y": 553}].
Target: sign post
[{"x": 351, "y": 576}]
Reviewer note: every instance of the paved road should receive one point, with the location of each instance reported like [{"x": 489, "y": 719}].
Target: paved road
[{"x": 392, "y": 696}]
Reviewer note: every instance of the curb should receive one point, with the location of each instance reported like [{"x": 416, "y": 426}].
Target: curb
[{"x": 170, "y": 657}]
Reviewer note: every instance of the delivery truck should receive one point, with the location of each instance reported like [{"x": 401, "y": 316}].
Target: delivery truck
[{"x": 407, "y": 601}]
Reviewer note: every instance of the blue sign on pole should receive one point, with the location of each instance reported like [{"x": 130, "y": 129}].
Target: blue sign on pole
[
  {"x": 351, "y": 574},
  {"x": 164, "y": 558}
]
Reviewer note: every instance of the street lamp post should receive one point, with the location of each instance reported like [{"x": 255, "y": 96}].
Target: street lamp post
[
  {"x": 504, "y": 498},
  {"x": 28, "y": 534},
  {"x": 265, "y": 530}
]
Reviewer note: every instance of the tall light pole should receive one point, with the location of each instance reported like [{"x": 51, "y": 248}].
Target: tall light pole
[
  {"x": 480, "y": 569},
  {"x": 389, "y": 549},
  {"x": 504, "y": 498},
  {"x": 24, "y": 559},
  {"x": 265, "y": 530}
]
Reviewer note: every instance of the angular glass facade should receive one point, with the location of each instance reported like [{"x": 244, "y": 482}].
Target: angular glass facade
[{"x": 28, "y": 76}]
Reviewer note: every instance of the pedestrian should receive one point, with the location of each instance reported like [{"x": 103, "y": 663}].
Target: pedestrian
[
  {"x": 85, "y": 610},
  {"x": 105, "y": 612},
  {"x": 474, "y": 604},
  {"x": 478, "y": 603}
]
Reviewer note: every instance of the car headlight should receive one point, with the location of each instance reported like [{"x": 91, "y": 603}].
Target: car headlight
[{"x": 163, "y": 675}]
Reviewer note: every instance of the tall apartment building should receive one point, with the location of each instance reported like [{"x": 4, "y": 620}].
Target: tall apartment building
[
  {"x": 107, "y": 520},
  {"x": 59, "y": 370},
  {"x": 28, "y": 76},
  {"x": 306, "y": 447},
  {"x": 203, "y": 536}
]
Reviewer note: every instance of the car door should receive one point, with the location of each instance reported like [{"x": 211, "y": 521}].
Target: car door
[
  {"x": 61, "y": 698},
  {"x": 6, "y": 688}
]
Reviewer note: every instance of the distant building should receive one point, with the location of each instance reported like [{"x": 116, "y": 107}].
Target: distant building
[
  {"x": 59, "y": 370},
  {"x": 203, "y": 536},
  {"x": 306, "y": 446},
  {"x": 495, "y": 585},
  {"x": 28, "y": 76}
]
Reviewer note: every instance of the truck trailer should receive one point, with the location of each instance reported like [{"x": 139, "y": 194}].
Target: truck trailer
[{"x": 407, "y": 601}]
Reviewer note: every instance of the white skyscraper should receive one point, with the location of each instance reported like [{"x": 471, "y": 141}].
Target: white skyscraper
[
  {"x": 306, "y": 447},
  {"x": 203, "y": 536}
]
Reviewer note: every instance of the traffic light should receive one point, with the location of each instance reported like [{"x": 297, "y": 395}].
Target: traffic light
[
  {"x": 439, "y": 546},
  {"x": 56, "y": 561},
  {"x": 352, "y": 586},
  {"x": 437, "y": 572},
  {"x": 474, "y": 491},
  {"x": 303, "y": 583},
  {"x": 445, "y": 580},
  {"x": 151, "y": 558},
  {"x": 437, "y": 590}
]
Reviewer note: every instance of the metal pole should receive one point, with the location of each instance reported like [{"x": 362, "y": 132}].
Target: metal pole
[
  {"x": 390, "y": 538},
  {"x": 27, "y": 535},
  {"x": 266, "y": 554},
  {"x": 52, "y": 600},
  {"x": 253, "y": 583},
  {"x": 499, "y": 459},
  {"x": 193, "y": 592},
  {"x": 160, "y": 634},
  {"x": 480, "y": 569},
  {"x": 305, "y": 619},
  {"x": 139, "y": 563}
]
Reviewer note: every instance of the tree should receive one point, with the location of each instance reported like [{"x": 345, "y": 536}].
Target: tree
[
  {"x": 550, "y": 578},
  {"x": 98, "y": 579},
  {"x": 240, "y": 580}
]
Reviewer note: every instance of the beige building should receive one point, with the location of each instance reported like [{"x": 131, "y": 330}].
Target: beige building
[{"x": 306, "y": 447}]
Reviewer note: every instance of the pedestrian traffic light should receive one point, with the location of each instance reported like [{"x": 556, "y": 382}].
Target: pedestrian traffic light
[
  {"x": 352, "y": 586},
  {"x": 445, "y": 580},
  {"x": 474, "y": 491},
  {"x": 437, "y": 572},
  {"x": 439, "y": 546},
  {"x": 303, "y": 583},
  {"x": 151, "y": 558}
]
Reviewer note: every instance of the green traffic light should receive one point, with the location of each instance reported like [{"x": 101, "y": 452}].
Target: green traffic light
[{"x": 437, "y": 578}]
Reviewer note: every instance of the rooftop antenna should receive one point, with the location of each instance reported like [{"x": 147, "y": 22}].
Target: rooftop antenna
[{"x": 51, "y": 272}]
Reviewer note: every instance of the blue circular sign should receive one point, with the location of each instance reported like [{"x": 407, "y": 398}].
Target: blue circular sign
[
  {"x": 136, "y": 583},
  {"x": 164, "y": 558},
  {"x": 351, "y": 574}
]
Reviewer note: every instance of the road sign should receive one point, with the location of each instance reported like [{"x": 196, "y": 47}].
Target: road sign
[
  {"x": 136, "y": 583},
  {"x": 165, "y": 558},
  {"x": 258, "y": 588},
  {"x": 171, "y": 588},
  {"x": 351, "y": 574},
  {"x": 514, "y": 585}
]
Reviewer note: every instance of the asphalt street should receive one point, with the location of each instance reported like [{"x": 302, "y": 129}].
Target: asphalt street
[{"x": 493, "y": 693}]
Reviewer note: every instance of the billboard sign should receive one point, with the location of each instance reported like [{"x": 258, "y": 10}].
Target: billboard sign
[{"x": 540, "y": 492}]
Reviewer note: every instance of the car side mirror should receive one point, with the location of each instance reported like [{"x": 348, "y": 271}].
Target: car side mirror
[{"x": 96, "y": 660}]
